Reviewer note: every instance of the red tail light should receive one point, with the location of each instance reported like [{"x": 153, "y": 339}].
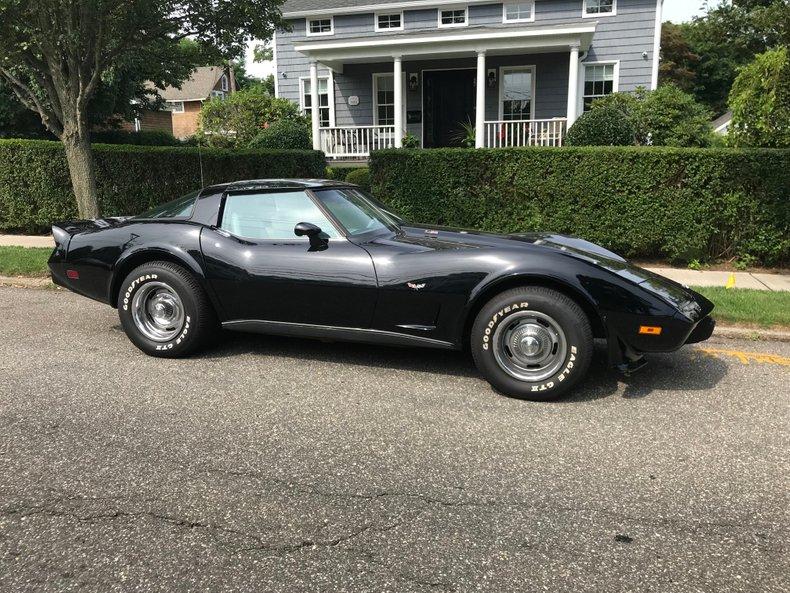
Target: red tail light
[{"x": 72, "y": 274}]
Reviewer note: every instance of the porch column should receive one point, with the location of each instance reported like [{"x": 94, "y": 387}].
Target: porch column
[
  {"x": 397, "y": 82},
  {"x": 315, "y": 111},
  {"x": 480, "y": 112},
  {"x": 573, "y": 84}
]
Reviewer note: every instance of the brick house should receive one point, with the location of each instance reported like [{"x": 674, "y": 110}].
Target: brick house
[{"x": 181, "y": 113}]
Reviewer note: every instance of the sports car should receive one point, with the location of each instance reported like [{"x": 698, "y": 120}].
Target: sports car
[{"x": 323, "y": 259}]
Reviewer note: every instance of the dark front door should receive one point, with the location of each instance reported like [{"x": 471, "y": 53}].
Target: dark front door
[{"x": 448, "y": 102}]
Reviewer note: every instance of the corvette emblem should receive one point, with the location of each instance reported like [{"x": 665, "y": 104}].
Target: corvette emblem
[{"x": 414, "y": 286}]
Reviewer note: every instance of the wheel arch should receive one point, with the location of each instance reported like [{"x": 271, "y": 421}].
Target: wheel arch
[
  {"x": 524, "y": 281},
  {"x": 126, "y": 264}
]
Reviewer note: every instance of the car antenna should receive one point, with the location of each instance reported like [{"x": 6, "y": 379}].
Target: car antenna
[{"x": 200, "y": 161}]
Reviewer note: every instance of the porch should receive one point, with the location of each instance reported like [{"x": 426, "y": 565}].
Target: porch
[{"x": 511, "y": 88}]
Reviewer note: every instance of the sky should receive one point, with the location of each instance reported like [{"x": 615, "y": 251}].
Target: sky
[{"x": 676, "y": 11}]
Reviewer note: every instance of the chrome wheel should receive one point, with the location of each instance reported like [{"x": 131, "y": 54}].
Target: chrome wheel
[
  {"x": 530, "y": 346},
  {"x": 158, "y": 312}
]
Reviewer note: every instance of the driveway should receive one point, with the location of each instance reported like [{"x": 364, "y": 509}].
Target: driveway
[{"x": 271, "y": 464}]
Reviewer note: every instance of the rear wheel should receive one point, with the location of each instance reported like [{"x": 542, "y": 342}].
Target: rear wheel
[
  {"x": 532, "y": 343},
  {"x": 164, "y": 310}
]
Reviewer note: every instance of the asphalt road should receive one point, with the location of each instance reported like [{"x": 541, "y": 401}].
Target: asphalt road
[{"x": 271, "y": 464}]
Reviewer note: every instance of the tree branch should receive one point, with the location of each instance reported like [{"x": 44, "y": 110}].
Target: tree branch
[{"x": 29, "y": 99}]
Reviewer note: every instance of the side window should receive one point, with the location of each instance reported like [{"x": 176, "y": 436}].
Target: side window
[{"x": 272, "y": 216}]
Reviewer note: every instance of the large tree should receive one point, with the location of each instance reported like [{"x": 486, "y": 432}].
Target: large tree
[
  {"x": 55, "y": 54},
  {"x": 726, "y": 38}
]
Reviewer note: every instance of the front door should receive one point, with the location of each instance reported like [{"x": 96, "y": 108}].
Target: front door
[
  {"x": 260, "y": 270},
  {"x": 448, "y": 104}
]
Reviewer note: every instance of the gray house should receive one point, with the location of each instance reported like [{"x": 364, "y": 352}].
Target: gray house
[{"x": 518, "y": 72}]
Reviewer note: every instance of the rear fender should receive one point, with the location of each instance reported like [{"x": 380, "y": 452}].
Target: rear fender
[{"x": 133, "y": 258}]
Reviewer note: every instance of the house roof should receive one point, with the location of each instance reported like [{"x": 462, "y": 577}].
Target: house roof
[
  {"x": 197, "y": 87},
  {"x": 722, "y": 121},
  {"x": 302, "y": 8}
]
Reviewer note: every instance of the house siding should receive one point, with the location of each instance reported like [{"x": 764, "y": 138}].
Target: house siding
[{"x": 621, "y": 38}]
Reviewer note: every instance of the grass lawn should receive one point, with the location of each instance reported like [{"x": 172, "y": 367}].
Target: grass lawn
[
  {"x": 24, "y": 261},
  {"x": 738, "y": 306}
]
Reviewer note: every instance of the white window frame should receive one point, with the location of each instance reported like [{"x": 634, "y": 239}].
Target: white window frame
[
  {"x": 376, "y": 77},
  {"x": 598, "y": 14},
  {"x": 331, "y": 31},
  {"x": 171, "y": 106},
  {"x": 218, "y": 94},
  {"x": 583, "y": 77},
  {"x": 506, "y": 20},
  {"x": 223, "y": 83},
  {"x": 386, "y": 29},
  {"x": 501, "y": 90},
  {"x": 330, "y": 89},
  {"x": 442, "y": 9}
]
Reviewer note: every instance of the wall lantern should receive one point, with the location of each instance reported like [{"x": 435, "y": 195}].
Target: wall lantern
[
  {"x": 414, "y": 81},
  {"x": 491, "y": 78}
]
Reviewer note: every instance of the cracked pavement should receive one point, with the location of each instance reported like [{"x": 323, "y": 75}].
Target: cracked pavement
[{"x": 269, "y": 464}]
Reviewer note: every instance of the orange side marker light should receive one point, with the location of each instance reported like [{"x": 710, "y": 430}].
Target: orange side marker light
[{"x": 648, "y": 330}]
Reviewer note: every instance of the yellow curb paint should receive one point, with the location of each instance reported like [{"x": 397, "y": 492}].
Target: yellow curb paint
[
  {"x": 731, "y": 281},
  {"x": 747, "y": 357}
]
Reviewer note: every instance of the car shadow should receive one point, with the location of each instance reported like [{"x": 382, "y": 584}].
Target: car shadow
[{"x": 687, "y": 370}]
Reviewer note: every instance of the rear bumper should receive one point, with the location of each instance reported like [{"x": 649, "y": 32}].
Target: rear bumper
[{"x": 703, "y": 331}]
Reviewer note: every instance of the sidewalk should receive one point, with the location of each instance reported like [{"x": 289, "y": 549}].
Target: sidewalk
[
  {"x": 26, "y": 241},
  {"x": 773, "y": 282}
]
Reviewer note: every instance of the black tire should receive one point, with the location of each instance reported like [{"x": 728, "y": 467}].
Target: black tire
[
  {"x": 193, "y": 322},
  {"x": 518, "y": 322}
]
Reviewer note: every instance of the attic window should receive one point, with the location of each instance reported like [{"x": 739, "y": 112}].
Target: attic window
[
  {"x": 389, "y": 22},
  {"x": 453, "y": 17},
  {"x": 223, "y": 84},
  {"x": 323, "y": 26},
  {"x": 595, "y": 8}
]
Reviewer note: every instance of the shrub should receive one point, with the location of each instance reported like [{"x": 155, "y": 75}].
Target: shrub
[
  {"x": 605, "y": 126},
  {"x": 285, "y": 134},
  {"x": 664, "y": 117},
  {"x": 237, "y": 120},
  {"x": 142, "y": 138},
  {"x": 760, "y": 102},
  {"x": 679, "y": 204},
  {"x": 360, "y": 177},
  {"x": 410, "y": 141},
  {"x": 35, "y": 189}
]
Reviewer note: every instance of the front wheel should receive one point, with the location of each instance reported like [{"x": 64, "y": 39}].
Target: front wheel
[
  {"x": 164, "y": 310},
  {"x": 532, "y": 343}
]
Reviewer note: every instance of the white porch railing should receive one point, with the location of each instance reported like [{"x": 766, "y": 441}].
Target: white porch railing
[
  {"x": 356, "y": 141},
  {"x": 526, "y": 132}
]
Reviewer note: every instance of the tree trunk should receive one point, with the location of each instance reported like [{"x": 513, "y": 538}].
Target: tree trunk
[{"x": 79, "y": 157}]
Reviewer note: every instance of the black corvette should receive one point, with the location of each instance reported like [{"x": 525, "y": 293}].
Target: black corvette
[{"x": 323, "y": 259}]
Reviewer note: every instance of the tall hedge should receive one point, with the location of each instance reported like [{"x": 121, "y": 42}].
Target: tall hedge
[
  {"x": 674, "y": 203},
  {"x": 35, "y": 188}
]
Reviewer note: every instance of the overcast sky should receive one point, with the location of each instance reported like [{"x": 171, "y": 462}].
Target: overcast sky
[{"x": 676, "y": 11}]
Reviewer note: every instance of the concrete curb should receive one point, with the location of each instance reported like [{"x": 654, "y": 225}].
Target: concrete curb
[
  {"x": 751, "y": 333},
  {"x": 23, "y": 282}
]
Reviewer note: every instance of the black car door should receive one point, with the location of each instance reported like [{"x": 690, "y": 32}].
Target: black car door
[{"x": 260, "y": 270}]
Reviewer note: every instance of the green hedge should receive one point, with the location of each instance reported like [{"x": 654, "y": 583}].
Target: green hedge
[
  {"x": 650, "y": 203},
  {"x": 35, "y": 188}
]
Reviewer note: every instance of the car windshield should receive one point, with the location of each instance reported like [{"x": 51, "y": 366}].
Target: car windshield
[
  {"x": 358, "y": 212},
  {"x": 180, "y": 208}
]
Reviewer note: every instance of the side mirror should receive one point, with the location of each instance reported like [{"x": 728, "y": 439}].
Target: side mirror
[{"x": 312, "y": 232}]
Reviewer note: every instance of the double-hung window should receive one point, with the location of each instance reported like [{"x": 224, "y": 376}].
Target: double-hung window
[
  {"x": 599, "y": 80},
  {"x": 384, "y": 99},
  {"x": 596, "y": 8},
  {"x": 518, "y": 12},
  {"x": 517, "y": 93},
  {"x": 324, "y": 101},
  {"x": 322, "y": 26},
  {"x": 389, "y": 21},
  {"x": 453, "y": 17}
]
